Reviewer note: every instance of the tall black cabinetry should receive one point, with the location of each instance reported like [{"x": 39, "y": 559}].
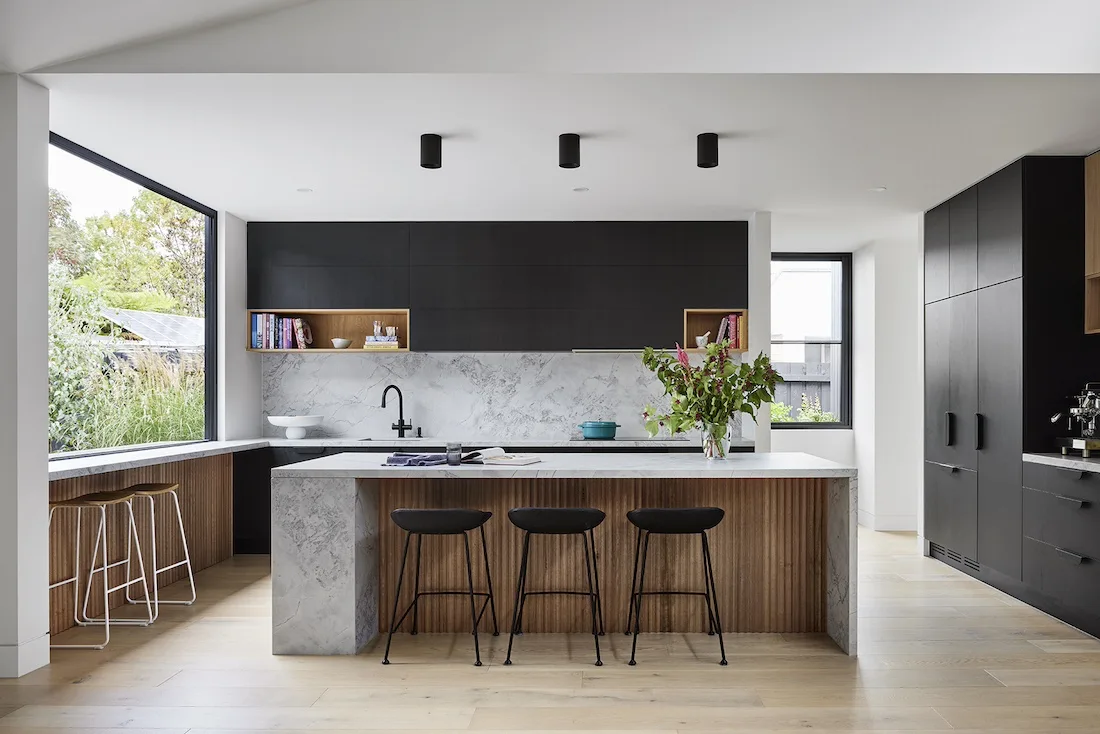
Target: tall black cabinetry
[{"x": 1004, "y": 345}]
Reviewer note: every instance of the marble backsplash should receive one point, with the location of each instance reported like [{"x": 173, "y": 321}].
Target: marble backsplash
[{"x": 458, "y": 395}]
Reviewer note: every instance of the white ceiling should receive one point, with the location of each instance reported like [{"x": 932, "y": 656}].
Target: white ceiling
[
  {"x": 801, "y": 145},
  {"x": 38, "y": 33},
  {"x": 588, "y": 36}
]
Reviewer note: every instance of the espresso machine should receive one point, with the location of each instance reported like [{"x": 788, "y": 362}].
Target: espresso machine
[{"x": 1081, "y": 419}]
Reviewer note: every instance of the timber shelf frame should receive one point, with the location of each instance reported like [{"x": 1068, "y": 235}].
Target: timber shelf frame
[{"x": 348, "y": 323}]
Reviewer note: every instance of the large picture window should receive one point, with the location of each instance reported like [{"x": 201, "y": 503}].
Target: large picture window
[
  {"x": 131, "y": 307},
  {"x": 811, "y": 339}
]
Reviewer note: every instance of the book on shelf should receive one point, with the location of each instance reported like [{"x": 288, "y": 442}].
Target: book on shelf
[{"x": 270, "y": 331}]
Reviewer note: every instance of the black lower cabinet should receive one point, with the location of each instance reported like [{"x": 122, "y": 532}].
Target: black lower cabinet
[
  {"x": 951, "y": 508},
  {"x": 252, "y": 501},
  {"x": 1065, "y": 578}
]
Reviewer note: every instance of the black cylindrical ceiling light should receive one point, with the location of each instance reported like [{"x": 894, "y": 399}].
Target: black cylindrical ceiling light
[
  {"x": 569, "y": 150},
  {"x": 706, "y": 150},
  {"x": 431, "y": 151}
]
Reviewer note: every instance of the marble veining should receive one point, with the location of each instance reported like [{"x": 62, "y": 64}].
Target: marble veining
[
  {"x": 473, "y": 396},
  {"x": 840, "y": 559},
  {"x": 324, "y": 535}
]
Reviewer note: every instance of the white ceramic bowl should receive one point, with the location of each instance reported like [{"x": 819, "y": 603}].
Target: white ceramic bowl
[
  {"x": 295, "y": 425},
  {"x": 338, "y": 343}
]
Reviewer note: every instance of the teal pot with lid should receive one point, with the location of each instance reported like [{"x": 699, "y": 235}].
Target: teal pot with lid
[{"x": 598, "y": 430}]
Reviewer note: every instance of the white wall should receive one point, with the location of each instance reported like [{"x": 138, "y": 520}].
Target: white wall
[
  {"x": 24, "y": 481},
  {"x": 760, "y": 319},
  {"x": 834, "y": 444},
  {"x": 863, "y": 377},
  {"x": 899, "y": 425},
  {"x": 239, "y": 389}
]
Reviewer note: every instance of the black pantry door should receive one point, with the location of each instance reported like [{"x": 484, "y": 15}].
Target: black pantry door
[
  {"x": 999, "y": 437},
  {"x": 937, "y": 253}
]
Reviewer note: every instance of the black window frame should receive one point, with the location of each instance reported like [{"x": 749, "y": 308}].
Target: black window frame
[
  {"x": 844, "y": 343},
  {"x": 210, "y": 308}
]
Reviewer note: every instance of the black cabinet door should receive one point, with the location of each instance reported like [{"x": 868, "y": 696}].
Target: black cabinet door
[
  {"x": 963, "y": 382},
  {"x": 1000, "y": 427},
  {"x": 937, "y": 378},
  {"x": 252, "y": 501},
  {"x": 963, "y": 260},
  {"x": 937, "y": 253},
  {"x": 951, "y": 508},
  {"x": 1001, "y": 226}
]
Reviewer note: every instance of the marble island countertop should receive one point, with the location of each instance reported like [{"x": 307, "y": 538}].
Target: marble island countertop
[{"x": 570, "y": 466}]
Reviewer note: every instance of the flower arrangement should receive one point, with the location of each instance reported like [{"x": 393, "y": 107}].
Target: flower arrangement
[{"x": 708, "y": 395}]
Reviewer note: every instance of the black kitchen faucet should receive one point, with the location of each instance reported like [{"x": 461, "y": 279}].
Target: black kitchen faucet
[{"x": 400, "y": 426}]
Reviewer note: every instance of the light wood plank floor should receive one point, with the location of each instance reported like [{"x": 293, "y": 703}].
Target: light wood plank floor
[{"x": 938, "y": 651}]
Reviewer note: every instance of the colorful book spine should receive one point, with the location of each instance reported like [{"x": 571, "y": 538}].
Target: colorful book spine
[{"x": 254, "y": 340}]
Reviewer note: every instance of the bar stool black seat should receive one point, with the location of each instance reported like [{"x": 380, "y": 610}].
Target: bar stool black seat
[
  {"x": 442, "y": 522},
  {"x": 673, "y": 521},
  {"x": 580, "y": 521}
]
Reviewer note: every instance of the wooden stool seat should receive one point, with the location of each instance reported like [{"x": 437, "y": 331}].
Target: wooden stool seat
[
  {"x": 96, "y": 499},
  {"x": 152, "y": 489}
]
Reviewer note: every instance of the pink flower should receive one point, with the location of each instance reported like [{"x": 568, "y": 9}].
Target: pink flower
[{"x": 682, "y": 357}]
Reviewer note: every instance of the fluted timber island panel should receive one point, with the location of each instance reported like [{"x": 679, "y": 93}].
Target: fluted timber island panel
[{"x": 769, "y": 553}]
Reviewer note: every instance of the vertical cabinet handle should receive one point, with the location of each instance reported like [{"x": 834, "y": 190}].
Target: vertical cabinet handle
[
  {"x": 948, "y": 428},
  {"x": 979, "y": 431}
]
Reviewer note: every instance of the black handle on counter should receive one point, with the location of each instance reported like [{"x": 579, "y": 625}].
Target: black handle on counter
[
  {"x": 948, "y": 428},
  {"x": 1071, "y": 556},
  {"x": 979, "y": 431},
  {"x": 1080, "y": 474}
]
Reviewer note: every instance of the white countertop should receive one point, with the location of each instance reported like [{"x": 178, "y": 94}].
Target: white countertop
[
  {"x": 62, "y": 468},
  {"x": 1074, "y": 462},
  {"x": 571, "y": 466},
  {"x": 119, "y": 460}
]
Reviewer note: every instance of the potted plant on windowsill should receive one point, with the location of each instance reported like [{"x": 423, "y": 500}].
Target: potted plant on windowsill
[{"x": 708, "y": 395}]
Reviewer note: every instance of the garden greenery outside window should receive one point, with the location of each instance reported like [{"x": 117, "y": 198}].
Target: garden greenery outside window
[
  {"x": 811, "y": 339},
  {"x": 130, "y": 308}
]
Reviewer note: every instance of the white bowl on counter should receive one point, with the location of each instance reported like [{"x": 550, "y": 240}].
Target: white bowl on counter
[
  {"x": 295, "y": 425},
  {"x": 338, "y": 343}
]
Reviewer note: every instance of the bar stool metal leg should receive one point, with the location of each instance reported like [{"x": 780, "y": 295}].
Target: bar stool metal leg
[
  {"x": 75, "y": 580},
  {"x": 596, "y": 576},
  {"x": 416, "y": 583},
  {"x": 712, "y": 599},
  {"x": 638, "y": 603},
  {"x": 143, "y": 579},
  {"x": 521, "y": 585},
  {"x": 473, "y": 606},
  {"x": 157, "y": 570},
  {"x": 633, "y": 583},
  {"x": 589, "y": 558},
  {"x": 396, "y": 599},
  {"x": 489, "y": 582}
]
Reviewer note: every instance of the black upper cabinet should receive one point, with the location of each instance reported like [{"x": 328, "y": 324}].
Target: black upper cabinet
[
  {"x": 507, "y": 286},
  {"x": 963, "y": 270},
  {"x": 1000, "y": 427},
  {"x": 1000, "y": 225},
  {"x": 937, "y": 253}
]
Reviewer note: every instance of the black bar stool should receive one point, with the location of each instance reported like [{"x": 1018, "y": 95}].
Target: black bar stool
[
  {"x": 681, "y": 521},
  {"x": 580, "y": 521},
  {"x": 442, "y": 522}
]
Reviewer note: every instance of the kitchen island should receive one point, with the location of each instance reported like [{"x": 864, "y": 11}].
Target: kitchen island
[{"x": 784, "y": 557}]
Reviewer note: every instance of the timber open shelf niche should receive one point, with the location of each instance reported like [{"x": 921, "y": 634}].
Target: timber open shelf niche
[
  {"x": 327, "y": 323},
  {"x": 698, "y": 321}
]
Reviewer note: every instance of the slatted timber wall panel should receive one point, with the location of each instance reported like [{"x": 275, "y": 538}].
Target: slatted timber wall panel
[
  {"x": 769, "y": 553},
  {"x": 206, "y": 501}
]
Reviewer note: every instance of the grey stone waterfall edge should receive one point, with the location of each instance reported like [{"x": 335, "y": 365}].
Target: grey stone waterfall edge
[
  {"x": 324, "y": 549},
  {"x": 841, "y": 546}
]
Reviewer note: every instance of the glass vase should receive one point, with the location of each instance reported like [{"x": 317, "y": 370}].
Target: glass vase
[{"x": 716, "y": 440}]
